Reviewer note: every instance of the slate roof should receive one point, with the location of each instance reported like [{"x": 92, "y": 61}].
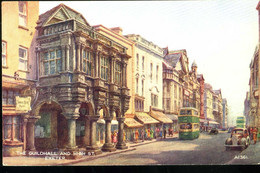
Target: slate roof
[
  {"x": 74, "y": 14},
  {"x": 173, "y": 59},
  {"x": 217, "y": 91}
]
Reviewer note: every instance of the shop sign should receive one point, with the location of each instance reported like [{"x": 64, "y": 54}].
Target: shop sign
[{"x": 23, "y": 103}]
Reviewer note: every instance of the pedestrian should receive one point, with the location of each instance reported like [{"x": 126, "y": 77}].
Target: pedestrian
[
  {"x": 136, "y": 135},
  {"x": 148, "y": 134},
  {"x": 164, "y": 133},
  {"x": 124, "y": 137},
  {"x": 251, "y": 133},
  {"x": 160, "y": 133},
  {"x": 169, "y": 131},
  {"x": 142, "y": 135},
  {"x": 152, "y": 133},
  {"x": 115, "y": 137},
  {"x": 255, "y": 135},
  {"x": 157, "y": 132}
]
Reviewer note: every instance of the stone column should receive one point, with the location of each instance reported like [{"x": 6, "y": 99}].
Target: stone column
[
  {"x": 63, "y": 57},
  {"x": 96, "y": 64},
  {"x": 86, "y": 139},
  {"x": 124, "y": 77},
  {"x": 67, "y": 58},
  {"x": 108, "y": 146},
  {"x": 71, "y": 133},
  {"x": 30, "y": 133},
  {"x": 78, "y": 57},
  {"x": 93, "y": 142},
  {"x": 25, "y": 120},
  {"x": 121, "y": 144}
]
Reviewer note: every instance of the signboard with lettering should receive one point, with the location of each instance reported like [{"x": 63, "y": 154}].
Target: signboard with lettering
[{"x": 23, "y": 103}]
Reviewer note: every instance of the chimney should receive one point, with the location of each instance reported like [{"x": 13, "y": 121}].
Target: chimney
[{"x": 117, "y": 30}]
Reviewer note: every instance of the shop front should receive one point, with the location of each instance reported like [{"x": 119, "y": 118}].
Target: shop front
[
  {"x": 165, "y": 122},
  {"x": 131, "y": 125}
]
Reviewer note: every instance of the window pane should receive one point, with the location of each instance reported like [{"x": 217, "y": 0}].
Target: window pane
[
  {"x": 58, "y": 65},
  {"x": 58, "y": 54},
  {"x": 7, "y": 131},
  {"x": 46, "y": 68},
  {"x": 4, "y": 48},
  {"x": 84, "y": 66},
  {"x": 52, "y": 55},
  {"x": 52, "y": 67},
  {"x": 46, "y": 56},
  {"x": 22, "y": 20},
  {"x": 3, "y": 60},
  {"x": 84, "y": 54},
  {"x": 22, "y": 53},
  {"x": 16, "y": 121}
]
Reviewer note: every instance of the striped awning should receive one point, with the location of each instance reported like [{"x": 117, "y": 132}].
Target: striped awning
[
  {"x": 145, "y": 118},
  {"x": 161, "y": 117},
  {"x": 132, "y": 123},
  {"x": 173, "y": 117}
]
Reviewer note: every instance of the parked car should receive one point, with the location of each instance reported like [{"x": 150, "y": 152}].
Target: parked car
[
  {"x": 230, "y": 129},
  {"x": 213, "y": 131},
  {"x": 239, "y": 139}
]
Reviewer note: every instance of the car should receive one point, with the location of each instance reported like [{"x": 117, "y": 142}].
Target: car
[
  {"x": 213, "y": 131},
  {"x": 239, "y": 139}
]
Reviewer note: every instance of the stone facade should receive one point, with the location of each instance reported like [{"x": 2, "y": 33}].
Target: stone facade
[
  {"x": 225, "y": 114},
  {"x": 208, "y": 101},
  {"x": 82, "y": 73}
]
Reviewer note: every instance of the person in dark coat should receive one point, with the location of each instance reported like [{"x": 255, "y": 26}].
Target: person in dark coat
[{"x": 164, "y": 133}]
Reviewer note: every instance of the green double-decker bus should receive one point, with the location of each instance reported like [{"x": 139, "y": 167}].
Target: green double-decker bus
[
  {"x": 241, "y": 123},
  {"x": 189, "y": 123}
]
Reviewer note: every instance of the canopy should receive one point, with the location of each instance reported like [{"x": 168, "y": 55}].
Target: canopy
[
  {"x": 161, "y": 117},
  {"x": 172, "y": 117},
  {"x": 132, "y": 123},
  {"x": 145, "y": 118},
  {"x": 213, "y": 122}
]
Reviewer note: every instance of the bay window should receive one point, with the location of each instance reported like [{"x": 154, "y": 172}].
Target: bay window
[{"x": 52, "y": 62}]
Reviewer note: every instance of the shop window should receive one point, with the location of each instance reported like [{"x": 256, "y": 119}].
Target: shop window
[
  {"x": 118, "y": 72},
  {"x": 87, "y": 62},
  {"x": 43, "y": 126},
  {"x": 8, "y": 97},
  {"x": 22, "y": 13},
  {"x": 104, "y": 68},
  {"x": 52, "y": 62},
  {"x": 23, "y": 58},
  {"x": 12, "y": 128},
  {"x": 4, "y": 53}
]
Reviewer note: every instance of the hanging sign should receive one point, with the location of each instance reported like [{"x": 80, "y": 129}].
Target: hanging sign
[{"x": 23, "y": 103}]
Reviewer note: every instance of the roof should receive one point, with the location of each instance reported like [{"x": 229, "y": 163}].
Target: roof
[
  {"x": 217, "y": 91},
  {"x": 132, "y": 123},
  {"x": 173, "y": 59},
  {"x": 160, "y": 117},
  {"x": 145, "y": 118},
  {"x": 73, "y": 14}
]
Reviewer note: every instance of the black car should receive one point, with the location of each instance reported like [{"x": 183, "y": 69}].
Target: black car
[{"x": 230, "y": 129}]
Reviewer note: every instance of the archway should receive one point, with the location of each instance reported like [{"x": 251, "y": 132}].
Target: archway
[
  {"x": 50, "y": 133},
  {"x": 82, "y": 125},
  {"x": 100, "y": 131}
]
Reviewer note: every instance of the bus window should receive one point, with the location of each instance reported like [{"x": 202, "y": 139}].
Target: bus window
[
  {"x": 183, "y": 112},
  {"x": 196, "y": 126},
  {"x": 186, "y": 126},
  {"x": 189, "y": 112},
  {"x": 195, "y": 112}
]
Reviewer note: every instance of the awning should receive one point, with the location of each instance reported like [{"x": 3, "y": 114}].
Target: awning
[
  {"x": 145, "y": 118},
  {"x": 161, "y": 117},
  {"x": 213, "y": 122},
  {"x": 132, "y": 123},
  {"x": 203, "y": 121},
  {"x": 172, "y": 117},
  {"x": 101, "y": 121}
]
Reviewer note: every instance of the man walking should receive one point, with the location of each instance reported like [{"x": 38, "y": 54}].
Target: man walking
[{"x": 164, "y": 133}]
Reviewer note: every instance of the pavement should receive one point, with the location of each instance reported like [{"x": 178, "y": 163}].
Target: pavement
[{"x": 59, "y": 161}]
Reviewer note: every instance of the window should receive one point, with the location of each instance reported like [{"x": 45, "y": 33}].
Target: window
[
  {"x": 139, "y": 105},
  {"x": 154, "y": 100},
  {"x": 22, "y": 13},
  {"x": 168, "y": 104},
  {"x": 52, "y": 62},
  {"x": 137, "y": 61},
  {"x": 151, "y": 71},
  {"x": 136, "y": 89},
  {"x": 157, "y": 71},
  {"x": 87, "y": 62},
  {"x": 118, "y": 72},
  {"x": 143, "y": 63},
  {"x": 12, "y": 128},
  {"x": 104, "y": 68},
  {"x": 142, "y": 87},
  {"x": 23, "y": 59},
  {"x": 8, "y": 97},
  {"x": 175, "y": 105},
  {"x": 4, "y": 53},
  {"x": 179, "y": 93}
]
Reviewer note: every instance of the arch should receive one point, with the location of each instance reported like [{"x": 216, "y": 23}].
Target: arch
[
  {"x": 156, "y": 88},
  {"x": 104, "y": 110},
  {"x": 86, "y": 108},
  {"x": 36, "y": 109}
]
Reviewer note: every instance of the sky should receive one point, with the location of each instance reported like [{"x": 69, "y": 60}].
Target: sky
[{"x": 220, "y": 35}]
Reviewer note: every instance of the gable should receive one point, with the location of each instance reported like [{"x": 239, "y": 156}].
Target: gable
[{"x": 58, "y": 16}]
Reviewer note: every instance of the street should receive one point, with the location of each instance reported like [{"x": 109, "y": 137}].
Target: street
[{"x": 208, "y": 149}]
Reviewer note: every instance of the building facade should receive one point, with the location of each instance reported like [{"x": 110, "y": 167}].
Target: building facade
[
  {"x": 217, "y": 107},
  {"x": 247, "y": 108},
  {"x": 82, "y": 77},
  {"x": 225, "y": 114},
  {"x": 208, "y": 101},
  {"x": 201, "y": 91},
  {"x": 18, "y": 72}
]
